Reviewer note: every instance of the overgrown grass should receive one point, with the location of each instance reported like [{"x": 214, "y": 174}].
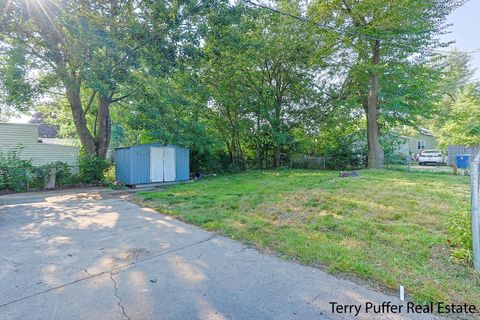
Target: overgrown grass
[{"x": 387, "y": 227}]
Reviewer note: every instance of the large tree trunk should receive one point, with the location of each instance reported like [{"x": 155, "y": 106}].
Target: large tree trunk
[
  {"x": 276, "y": 156},
  {"x": 103, "y": 126},
  {"x": 257, "y": 143},
  {"x": 240, "y": 155},
  {"x": 375, "y": 150},
  {"x": 277, "y": 130},
  {"x": 72, "y": 89},
  {"x": 236, "y": 154}
]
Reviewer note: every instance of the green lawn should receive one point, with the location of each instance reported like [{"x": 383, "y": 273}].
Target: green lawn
[{"x": 388, "y": 227}]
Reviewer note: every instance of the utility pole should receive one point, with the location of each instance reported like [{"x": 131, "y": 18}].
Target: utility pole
[{"x": 475, "y": 211}]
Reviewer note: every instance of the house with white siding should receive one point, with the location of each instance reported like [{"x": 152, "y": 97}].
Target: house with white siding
[
  {"x": 423, "y": 139},
  {"x": 14, "y": 135}
]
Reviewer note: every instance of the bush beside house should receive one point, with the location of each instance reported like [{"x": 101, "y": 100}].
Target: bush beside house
[
  {"x": 18, "y": 175},
  {"x": 13, "y": 172},
  {"x": 28, "y": 163}
]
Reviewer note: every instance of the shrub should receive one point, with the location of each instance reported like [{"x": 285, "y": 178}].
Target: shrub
[
  {"x": 460, "y": 231},
  {"x": 19, "y": 175},
  {"x": 63, "y": 174},
  {"x": 92, "y": 168},
  {"x": 13, "y": 171},
  {"x": 392, "y": 143},
  {"x": 110, "y": 175},
  {"x": 40, "y": 175}
]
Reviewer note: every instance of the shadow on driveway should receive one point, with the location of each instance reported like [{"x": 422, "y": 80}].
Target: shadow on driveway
[{"x": 80, "y": 254}]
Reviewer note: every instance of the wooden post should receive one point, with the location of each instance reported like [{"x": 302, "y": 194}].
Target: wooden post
[{"x": 50, "y": 183}]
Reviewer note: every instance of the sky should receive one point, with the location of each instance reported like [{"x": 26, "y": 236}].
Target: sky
[{"x": 465, "y": 31}]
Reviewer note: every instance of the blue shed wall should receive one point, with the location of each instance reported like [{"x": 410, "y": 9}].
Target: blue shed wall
[
  {"x": 182, "y": 164},
  {"x": 122, "y": 165},
  {"x": 140, "y": 164}
]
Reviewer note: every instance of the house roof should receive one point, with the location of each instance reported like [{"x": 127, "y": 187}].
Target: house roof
[
  {"x": 420, "y": 131},
  {"x": 425, "y": 132}
]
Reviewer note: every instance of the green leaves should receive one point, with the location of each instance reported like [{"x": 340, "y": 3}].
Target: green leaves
[
  {"x": 18, "y": 89},
  {"x": 230, "y": 81},
  {"x": 261, "y": 72},
  {"x": 462, "y": 125},
  {"x": 460, "y": 233},
  {"x": 393, "y": 78},
  {"x": 456, "y": 112},
  {"x": 14, "y": 171}
]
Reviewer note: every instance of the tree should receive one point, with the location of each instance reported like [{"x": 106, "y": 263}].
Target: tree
[
  {"x": 262, "y": 70},
  {"x": 462, "y": 126},
  {"x": 13, "y": 74},
  {"x": 90, "y": 49},
  {"x": 77, "y": 46},
  {"x": 385, "y": 38},
  {"x": 454, "y": 121},
  {"x": 175, "y": 112},
  {"x": 456, "y": 76}
]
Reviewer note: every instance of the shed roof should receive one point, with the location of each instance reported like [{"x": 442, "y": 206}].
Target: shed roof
[{"x": 154, "y": 144}]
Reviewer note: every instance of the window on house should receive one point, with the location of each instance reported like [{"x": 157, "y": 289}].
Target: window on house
[{"x": 421, "y": 145}]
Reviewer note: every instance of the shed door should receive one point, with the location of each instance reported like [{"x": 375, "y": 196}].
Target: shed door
[
  {"x": 156, "y": 164},
  {"x": 169, "y": 163}
]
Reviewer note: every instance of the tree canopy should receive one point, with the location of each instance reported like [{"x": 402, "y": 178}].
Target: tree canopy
[
  {"x": 456, "y": 117},
  {"x": 391, "y": 43},
  {"x": 243, "y": 85}
]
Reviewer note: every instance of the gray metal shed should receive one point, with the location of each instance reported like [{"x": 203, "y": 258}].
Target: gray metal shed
[{"x": 151, "y": 163}]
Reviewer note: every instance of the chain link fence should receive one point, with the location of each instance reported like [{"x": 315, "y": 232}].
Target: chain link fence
[{"x": 327, "y": 162}]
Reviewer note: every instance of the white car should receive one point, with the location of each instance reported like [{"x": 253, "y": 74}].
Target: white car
[{"x": 431, "y": 156}]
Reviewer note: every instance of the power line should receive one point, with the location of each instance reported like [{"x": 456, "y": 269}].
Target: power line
[{"x": 303, "y": 19}]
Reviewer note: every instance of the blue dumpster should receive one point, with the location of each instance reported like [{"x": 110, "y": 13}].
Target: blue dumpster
[{"x": 461, "y": 161}]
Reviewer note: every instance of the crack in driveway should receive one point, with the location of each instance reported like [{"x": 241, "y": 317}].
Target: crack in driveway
[
  {"x": 124, "y": 312},
  {"x": 106, "y": 272}
]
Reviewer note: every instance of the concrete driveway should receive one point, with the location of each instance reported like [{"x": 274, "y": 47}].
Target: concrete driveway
[{"x": 90, "y": 255}]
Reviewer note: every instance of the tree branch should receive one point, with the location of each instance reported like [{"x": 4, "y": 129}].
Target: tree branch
[
  {"x": 92, "y": 97},
  {"x": 120, "y": 98}
]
